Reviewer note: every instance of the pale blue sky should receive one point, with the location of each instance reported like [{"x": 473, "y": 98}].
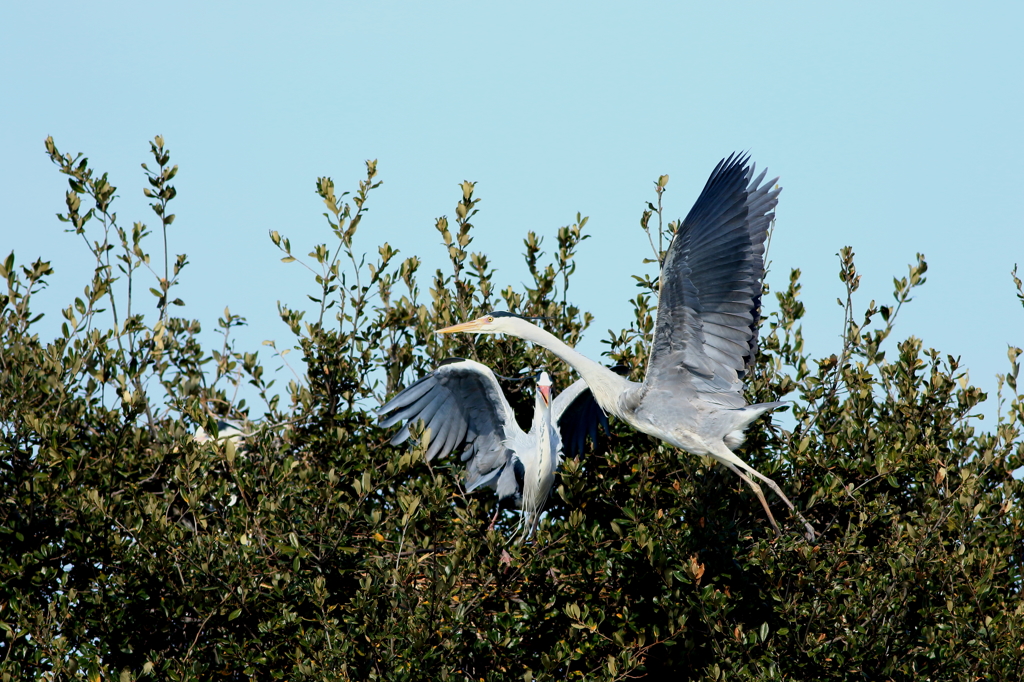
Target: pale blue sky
[{"x": 896, "y": 128}]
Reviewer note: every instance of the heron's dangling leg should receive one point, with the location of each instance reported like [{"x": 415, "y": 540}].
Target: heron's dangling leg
[
  {"x": 527, "y": 527},
  {"x": 760, "y": 495},
  {"x": 727, "y": 457},
  {"x": 494, "y": 519},
  {"x": 811, "y": 533}
]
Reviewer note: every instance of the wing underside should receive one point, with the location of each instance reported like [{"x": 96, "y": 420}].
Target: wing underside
[
  {"x": 578, "y": 416},
  {"x": 462, "y": 406},
  {"x": 709, "y": 308}
]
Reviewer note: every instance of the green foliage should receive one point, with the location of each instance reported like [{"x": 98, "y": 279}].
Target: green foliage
[{"x": 311, "y": 548}]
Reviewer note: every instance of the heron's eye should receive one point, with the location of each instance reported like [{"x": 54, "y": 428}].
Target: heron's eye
[{"x": 490, "y": 319}]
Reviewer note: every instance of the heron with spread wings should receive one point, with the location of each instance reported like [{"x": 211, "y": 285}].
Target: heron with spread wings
[
  {"x": 705, "y": 336},
  {"x": 461, "y": 404}
]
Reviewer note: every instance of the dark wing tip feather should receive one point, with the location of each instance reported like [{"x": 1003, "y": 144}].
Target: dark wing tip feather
[
  {"x": 715, "y": 266},
  {"x": 579, "y": 420}
]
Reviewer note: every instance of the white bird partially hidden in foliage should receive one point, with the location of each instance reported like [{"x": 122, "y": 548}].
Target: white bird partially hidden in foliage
[
  {"x": 461, "y": 404},
  {"x": 226, "y": 431},
  {"x": 705, "y": 337}
]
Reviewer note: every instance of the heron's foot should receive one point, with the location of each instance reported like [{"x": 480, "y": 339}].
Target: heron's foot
[{"x": 810, "y": 533}]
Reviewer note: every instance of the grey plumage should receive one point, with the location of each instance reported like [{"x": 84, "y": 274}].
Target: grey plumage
[
  {"x": 709, "y": 307},
  {"x": 462, "y": 406},
  {"x": 705, "y": 337}
]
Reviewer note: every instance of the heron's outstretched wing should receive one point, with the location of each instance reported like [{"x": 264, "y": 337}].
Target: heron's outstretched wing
[
  {"x": 709, "y": 307},
  {"x": 460, "y": 403},
  {"x": 577, "y": 415}
]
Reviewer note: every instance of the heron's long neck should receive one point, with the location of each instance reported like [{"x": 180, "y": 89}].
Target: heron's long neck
[{"x": 605, "y": 384}]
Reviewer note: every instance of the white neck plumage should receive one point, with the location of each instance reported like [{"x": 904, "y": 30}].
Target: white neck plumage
[{"x": 605, "y": 384}]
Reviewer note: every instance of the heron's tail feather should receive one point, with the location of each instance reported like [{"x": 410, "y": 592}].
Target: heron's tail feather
[
  {"x": 745, "y": 416},
  {"x": 532, "y": 506}
]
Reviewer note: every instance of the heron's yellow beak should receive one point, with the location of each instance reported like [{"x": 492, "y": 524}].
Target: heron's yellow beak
[{"x": 471, "y": 326}]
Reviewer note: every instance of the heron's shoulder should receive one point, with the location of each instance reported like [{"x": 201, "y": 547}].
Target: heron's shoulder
[
  {"x": 462, "y": 365},
  {"x": 461, "y": 371}
]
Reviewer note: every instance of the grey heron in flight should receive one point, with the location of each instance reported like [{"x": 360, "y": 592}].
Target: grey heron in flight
[
  {"x": 461, "y": 402},
  {"x": 705, "y": 337}
]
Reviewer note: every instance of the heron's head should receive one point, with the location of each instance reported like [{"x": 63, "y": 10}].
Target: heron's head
[
  {"x": 497, "y": 322},
  {"x": 544, "y": 388}
]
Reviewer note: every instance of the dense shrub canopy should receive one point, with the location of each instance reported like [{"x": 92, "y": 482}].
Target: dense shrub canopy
[{"x": 311, "y": 548}]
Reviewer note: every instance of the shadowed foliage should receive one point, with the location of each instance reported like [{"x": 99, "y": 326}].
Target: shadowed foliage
[{"x": 311, "y": 548}]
